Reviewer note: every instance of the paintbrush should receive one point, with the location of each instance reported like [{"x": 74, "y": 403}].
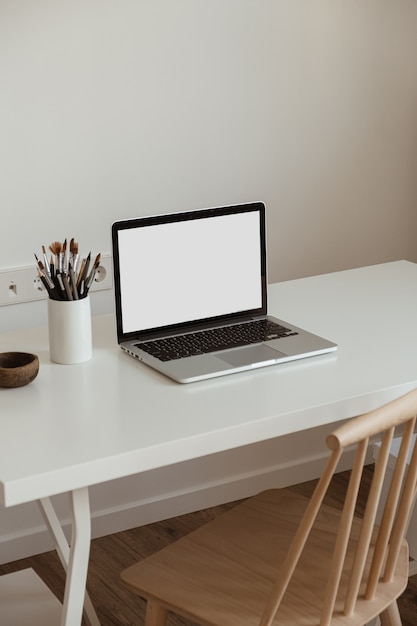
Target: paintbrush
[
  {"x": 93, "y": 272},
  {"x": 74, "y": 254},
  {"x": 83, "y": 274},
  {"x": 56, "y": 249},
  {"x": 64, "y": 278},
  {"x": 52, "y": 267},
  {"x": 73, "y": 282},
  {"x": 80, "y": 274},
  {"x": 50, "y": 290},
  {"x": 60, "y": 286},
  {"x": 64, "y": 257},
  {"x": 45, "y": 258}
]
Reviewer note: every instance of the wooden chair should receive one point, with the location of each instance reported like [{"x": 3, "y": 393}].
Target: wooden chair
[{"x": 284, "y": 560}]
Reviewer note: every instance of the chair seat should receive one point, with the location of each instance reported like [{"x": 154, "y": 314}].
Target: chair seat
[{"x": 222, "y": 574}]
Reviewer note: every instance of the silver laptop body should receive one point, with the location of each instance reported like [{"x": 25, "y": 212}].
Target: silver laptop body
[{"x": 193, "y": 276}]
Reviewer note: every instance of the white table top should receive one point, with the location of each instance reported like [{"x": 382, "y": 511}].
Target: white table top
[{"x": 78, "y": 425}]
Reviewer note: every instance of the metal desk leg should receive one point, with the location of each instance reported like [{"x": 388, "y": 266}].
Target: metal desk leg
[{"x": 77, "y": 556}]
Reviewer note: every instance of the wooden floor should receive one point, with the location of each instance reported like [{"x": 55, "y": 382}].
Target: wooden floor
[{"x": 116, "y": 606}]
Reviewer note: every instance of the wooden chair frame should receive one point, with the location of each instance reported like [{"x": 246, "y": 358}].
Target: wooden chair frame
[{"x": 380, "y": 554}]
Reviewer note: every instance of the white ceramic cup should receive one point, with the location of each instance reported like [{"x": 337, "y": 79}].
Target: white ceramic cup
[{"x": 69, "y": 326}]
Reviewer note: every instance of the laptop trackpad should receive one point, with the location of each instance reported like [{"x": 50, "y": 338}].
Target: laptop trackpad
[{"x": 251, "y": 354}]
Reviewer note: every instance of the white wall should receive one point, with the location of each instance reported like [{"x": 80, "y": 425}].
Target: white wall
[
  {"x": 117, "y": 108},
  {"x": 111, "y": 109}
]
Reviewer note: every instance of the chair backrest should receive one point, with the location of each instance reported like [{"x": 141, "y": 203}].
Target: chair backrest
[{"x": 382, "y": 543}]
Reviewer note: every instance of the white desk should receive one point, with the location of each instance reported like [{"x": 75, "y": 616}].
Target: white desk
[{"x": 79, "y": 425}]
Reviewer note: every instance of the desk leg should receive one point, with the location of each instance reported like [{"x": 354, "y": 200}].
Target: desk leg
[{"x": 77, "y": 555}]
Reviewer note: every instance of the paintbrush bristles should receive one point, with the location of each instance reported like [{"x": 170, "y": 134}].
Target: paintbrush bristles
[
  {"x": 73, "y": 246},
  {"x": 55, "y": 247}
]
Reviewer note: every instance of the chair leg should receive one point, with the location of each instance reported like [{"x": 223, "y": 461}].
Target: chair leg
[
  {"x": 156, "y": 615},
  {"x": 391, "y": 616}
]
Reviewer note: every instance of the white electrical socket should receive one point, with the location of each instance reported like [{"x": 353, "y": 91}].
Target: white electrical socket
[
  {"x": 24, "y": 284},
  {"x": 36, "y": 289},
  {"x": 13, "y": 287}
]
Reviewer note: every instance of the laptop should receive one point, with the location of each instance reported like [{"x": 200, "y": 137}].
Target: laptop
[{"x": 191, "y": 294}]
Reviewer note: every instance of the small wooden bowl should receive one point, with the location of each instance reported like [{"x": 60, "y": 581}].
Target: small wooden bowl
[{"x": 18, "y": 368}]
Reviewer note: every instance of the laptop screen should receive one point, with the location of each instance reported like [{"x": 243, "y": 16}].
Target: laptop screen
[{"x": 186, "y": 268}]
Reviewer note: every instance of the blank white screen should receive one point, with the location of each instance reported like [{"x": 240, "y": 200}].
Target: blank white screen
[{"x": 189, "y": 270}]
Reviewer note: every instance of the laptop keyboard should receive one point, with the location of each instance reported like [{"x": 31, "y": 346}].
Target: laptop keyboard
[{"x": 215, "y": 339}]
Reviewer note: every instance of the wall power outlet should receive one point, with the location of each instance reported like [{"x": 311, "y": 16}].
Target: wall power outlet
[{"x": 24, "y": 285}]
